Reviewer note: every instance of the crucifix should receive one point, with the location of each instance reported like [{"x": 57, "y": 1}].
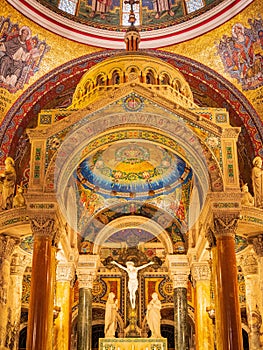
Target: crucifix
[{"x": 132, "y": 18}]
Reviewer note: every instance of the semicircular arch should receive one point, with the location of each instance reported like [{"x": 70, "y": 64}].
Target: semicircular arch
[
  {"x": 168, "y": 132},
  {"x": 140, "y": 222}
]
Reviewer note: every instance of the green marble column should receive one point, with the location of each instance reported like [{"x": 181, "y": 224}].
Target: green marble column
[
  {"x": 179, "y": 271},
  {"x": 180, "y": 319},
  {"x": 85, "y": 319},
  {"x": 86, "y": 271}
]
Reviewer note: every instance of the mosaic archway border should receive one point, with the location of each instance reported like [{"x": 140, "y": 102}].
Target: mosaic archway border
[{"x": 36, "y": 97}]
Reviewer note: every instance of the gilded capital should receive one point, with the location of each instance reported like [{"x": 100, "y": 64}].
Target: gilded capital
[
  {"x": 65, "y": 272},
  {"x": 226, "y": 224},
  {"x": 42, "y": 226}
]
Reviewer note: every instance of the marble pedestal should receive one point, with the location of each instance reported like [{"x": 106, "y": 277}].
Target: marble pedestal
[{"x": 132, "y": 344}]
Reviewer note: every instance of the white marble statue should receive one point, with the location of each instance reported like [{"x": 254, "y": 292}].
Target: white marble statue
[
  {"x": 153, "y": 316},
  {"x": 133, "y": 283},
  {"x": 111, "y": 316},
  {"x": 257, "y": 181}
]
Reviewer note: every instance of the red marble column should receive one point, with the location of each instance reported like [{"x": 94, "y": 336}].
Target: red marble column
[
  {"x": 228, "y": 317},
  {"x": 40, "y": 322}
]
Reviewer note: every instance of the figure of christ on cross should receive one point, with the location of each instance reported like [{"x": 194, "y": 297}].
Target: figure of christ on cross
[
  {"x": 132, "y": 17},
  {"x": 133, "y": 283}
]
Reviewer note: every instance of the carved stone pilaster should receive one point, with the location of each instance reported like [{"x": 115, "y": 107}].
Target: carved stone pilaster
[
  {"x": 7, "y": 246},
  {"x": 18, "y": 263},
  {"x": 87, "y": 270},
  {"x": 249, "y": 264},
  {"x": 258, "y": 245},
  {"x": 226, "y": 224}
]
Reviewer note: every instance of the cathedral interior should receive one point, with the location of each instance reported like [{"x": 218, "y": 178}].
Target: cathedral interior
[{"x": 131, "y": 173}]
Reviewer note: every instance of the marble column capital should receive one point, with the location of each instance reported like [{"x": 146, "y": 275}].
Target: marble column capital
[
  {"x": 42, "y": 226},
  {"x": 180, "y": 281},
  {"x": 178, "y": 270},
  {"x": 86, "y": 281},
  {"x": 7, "y": 246},
  {"x": 225, "y": 224},
  {"x": 87, "y": 270},
  {"x": 201, "y": 271},
  {"x": 258, "y": 245},
  {"x": 65, "y": 272},
  {"x": 249, "y": 264}
]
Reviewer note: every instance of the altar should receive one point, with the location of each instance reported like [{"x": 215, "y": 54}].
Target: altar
[{"x": 132, "y": 344}]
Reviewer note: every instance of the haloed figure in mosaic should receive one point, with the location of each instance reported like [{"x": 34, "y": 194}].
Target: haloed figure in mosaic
[
  {"x": 14, "y": 54},
  {"x": 133, "y": 283}
]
